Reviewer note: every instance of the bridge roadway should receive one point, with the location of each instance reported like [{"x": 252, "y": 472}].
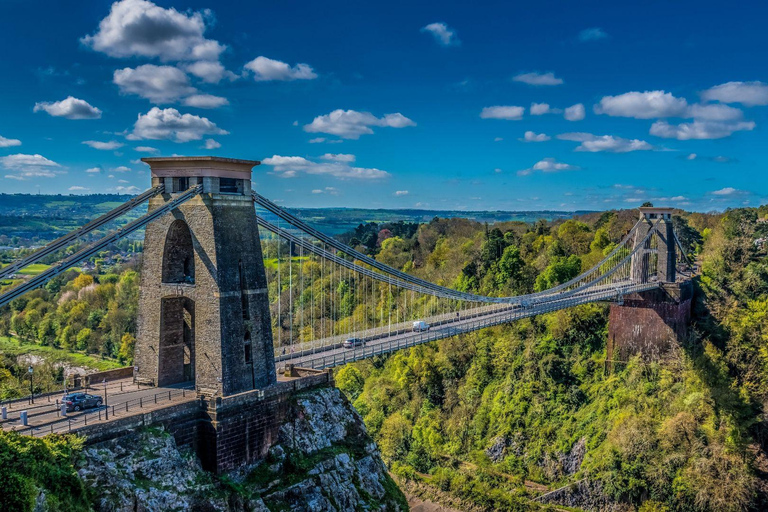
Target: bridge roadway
[
  {"x": 46, "y": 416},
  {"x": 334, "y": 354}
]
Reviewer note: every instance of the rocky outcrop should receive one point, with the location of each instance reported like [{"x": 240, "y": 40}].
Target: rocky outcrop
[{"x": 323, "y": 460}]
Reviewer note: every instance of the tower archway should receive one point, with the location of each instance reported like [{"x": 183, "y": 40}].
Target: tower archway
[{"x": 178, "y": 254}]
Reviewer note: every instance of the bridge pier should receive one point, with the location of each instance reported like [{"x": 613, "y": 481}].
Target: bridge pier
[{"x": 649, "y": 323}]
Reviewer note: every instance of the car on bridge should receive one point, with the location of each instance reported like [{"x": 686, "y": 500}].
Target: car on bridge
[
  {"x": 421, "y": 325},
  {"x": 353, "y": 342},
  {"x": 81, "y": 401}
]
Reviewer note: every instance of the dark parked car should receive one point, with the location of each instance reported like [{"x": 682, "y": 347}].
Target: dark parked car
[
  {"x": 80, "y": 401},
  {"x": 353, "y": 342}
]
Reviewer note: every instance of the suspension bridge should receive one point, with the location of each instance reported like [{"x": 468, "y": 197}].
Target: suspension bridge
[{"x": 214, "y": 313}]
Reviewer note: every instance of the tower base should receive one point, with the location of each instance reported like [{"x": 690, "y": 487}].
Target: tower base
[{"x": 649, "y": 323}]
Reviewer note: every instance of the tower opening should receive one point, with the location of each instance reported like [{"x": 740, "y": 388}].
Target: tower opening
[
  {"x": 176, "y": 355},
  {"x": 179, "y": 255}
]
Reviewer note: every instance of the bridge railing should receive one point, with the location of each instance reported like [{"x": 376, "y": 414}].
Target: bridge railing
[{"x": 73, "y": 421}]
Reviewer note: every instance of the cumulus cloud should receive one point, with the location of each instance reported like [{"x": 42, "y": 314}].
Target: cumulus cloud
[
  {"x": 77, "y": 188},
  {"x": 93, "y": 170},
  {"x": 596, "y": 143},
  {"x": 748, "y": 94},
  {"x": 575, "y": 112},
  {"x": 547, "y": 165},
  {"x": 351, "y": 124},
  {"x": 105, "y": 146},
  {"x": 592, "y": 34},
  {"x": 535, "y": 137},
  {"x": 205, "y": 101},
  {"x": 699, "y": 129},
  {"x": 508, "y": 112},
  {"x": 70, "y": 108},
  {"x": 443, "y": 34},
  {"x": 139, "y": 28},
  {"x": 292, "y": 166},
  {"x": 317, "y": 140},
  {"x": 211, "y": 144},
  {"x": 121, "y": 168},
  {"x": 28, "y": 166},
  {"x": 714, "y": 112},
  {"x": 728, "y": 191},
  {"x": 539, "y": 109},
  {"x": 338, "y": 157},
  {"x": 146, "y": 149},
  {"x": 643, "y": 105},
  {"x": 265, "y": 70},
  {"x": 127, "y": 190},
  {"x": 401, "y": 192},
  {"x": 538, "y": 79},
  {"x": 7, "y": 143},
  {"x": 170, "y": 124},
  {"x": 209, "y": 71},
  {"x": 158, "y": 84}
]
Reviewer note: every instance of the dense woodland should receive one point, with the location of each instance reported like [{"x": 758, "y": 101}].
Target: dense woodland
[{"x": 492, "y": 416}]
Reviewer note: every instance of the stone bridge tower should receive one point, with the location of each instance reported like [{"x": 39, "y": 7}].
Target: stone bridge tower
[
  {"x": 665, "y": 247},
  {"x": 203, "y": 306}
]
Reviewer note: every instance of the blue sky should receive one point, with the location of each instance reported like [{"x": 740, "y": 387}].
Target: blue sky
[{"x": 440, "y": 105}]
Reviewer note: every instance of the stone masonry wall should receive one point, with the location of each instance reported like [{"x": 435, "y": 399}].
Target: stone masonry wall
[{"x": 650, "y": 323}]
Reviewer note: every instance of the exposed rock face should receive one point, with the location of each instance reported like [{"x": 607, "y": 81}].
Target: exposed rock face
[{"x": 324, "y": 460}]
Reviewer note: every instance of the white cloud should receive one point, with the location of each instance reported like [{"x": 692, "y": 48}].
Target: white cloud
[
  {"x": 351, "y": 124},
  {"x": 209, "y": 71},
  {"x": 538, "y": 79},
  {"x": 401, "y": 192},
  {"x": 205, "y": 101},
  {"x": 146, "y": 149},
  {"x": 498, "y": 139},
  {"x": 715, "y": 112},
  {"x": 547, "y": 165},
  {"x": 170, "y": 124},
  {"x": 78, "y": 189},
  {"x": 93, "y": 170},
  {"x": 121, "y": 168},
  {"x": 692, "y": 156},
  {"x": 317, "y": 140},
  {"x": 128, "y": 190},
  {"x": 265, "y": 69},
  {"x": 443, "y": 34},
  {"x": 338, "y": 157},
  {"x": 70, "y": 108},
  {"x": 28, "y": 166},
  {"x": 643, "y": 105},
  {"x": 575, "y": 112},
  {"x": 592, "y": 34},
  {"x": 158, "y": 84},
  {"x": 211, "y": 144},
  {"x": 7, "y": 143},
  {"x": 317, "y": 191},
  {"x": 539, "y": 109},
  {"x": 535, "y": 137},
  {"x": 748, "y": 94},
  {"x": 139, "y": 28},
  {"x": 508, "y": 112},
  {"x": 292, "y": 166},
  {"x": 699, "y": 129},
  {"x": 105, "y": 146},
  {"x": 729, "y": 191},
  {"x": 596, "y": 143}
]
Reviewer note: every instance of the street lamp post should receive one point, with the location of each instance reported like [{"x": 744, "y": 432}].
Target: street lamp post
[{"x": 30, "y": 370}]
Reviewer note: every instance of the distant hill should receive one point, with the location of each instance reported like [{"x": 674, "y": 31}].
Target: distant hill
[{"x": 44, "y": 217}]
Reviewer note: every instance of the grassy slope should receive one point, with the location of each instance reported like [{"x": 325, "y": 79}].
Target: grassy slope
[{"x": 15, "y": 347}]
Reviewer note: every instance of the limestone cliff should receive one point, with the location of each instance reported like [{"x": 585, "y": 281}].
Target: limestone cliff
[{"x": 322, "y": 460}]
